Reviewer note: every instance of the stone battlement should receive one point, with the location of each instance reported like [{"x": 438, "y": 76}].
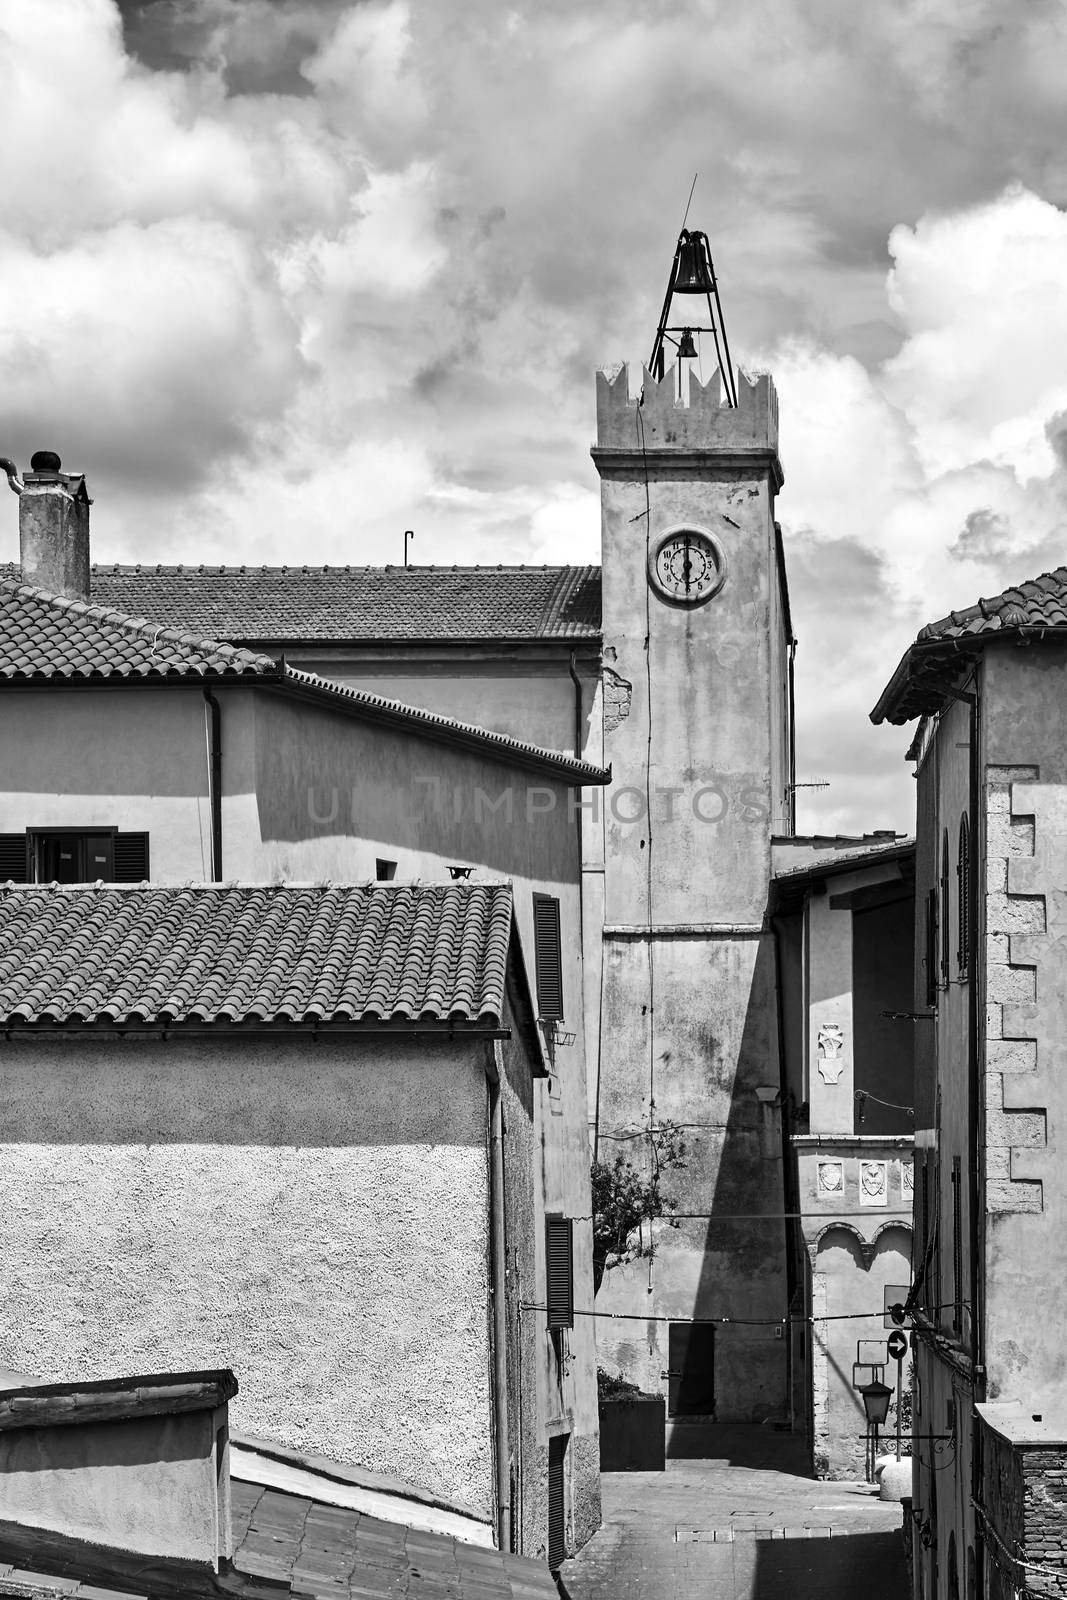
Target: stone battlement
[{"x": 705, "y": 423}]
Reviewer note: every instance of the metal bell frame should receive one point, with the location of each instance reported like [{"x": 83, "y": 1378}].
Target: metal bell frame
[{"x": 693, "y": 273}]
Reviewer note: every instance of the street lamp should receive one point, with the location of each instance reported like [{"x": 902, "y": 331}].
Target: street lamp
[{"x": 876, "y": 1397}]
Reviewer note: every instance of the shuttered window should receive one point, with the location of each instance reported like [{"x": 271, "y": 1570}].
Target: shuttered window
[
  {"x": 14, "y": 861},
  {"x": 963, "y": 878},
  {"x": 548, "y": 954},
  {"x": 557, "y": 1501},
  {"x": 131, "y": 857},
  {"x": 559, "y": 1271},
  {"x": 80, "y": 856},
  {"x": 930, "y": 957},
  {"x": 946, "y": 932},
  {"x": 957, "y": 1245}
]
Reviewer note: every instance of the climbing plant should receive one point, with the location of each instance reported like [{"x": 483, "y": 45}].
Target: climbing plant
[{"x": 625, "y": 1199}]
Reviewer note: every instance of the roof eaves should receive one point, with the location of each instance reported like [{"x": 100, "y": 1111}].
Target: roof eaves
[{"x": 497, "y": 746}]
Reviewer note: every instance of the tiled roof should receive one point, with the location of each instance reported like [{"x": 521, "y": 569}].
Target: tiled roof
[
  {"x": 284, "y": 604},
  {"x": 284, "y": 1546},
  {"x": 48, "y": 636},
  {"x": 429, "y": 722},
  {"x": 205, "y": 954},
  {"x": 917, "y": 687}
]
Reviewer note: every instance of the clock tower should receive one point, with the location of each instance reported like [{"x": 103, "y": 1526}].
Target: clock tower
[{"x": 697, "y": 727}]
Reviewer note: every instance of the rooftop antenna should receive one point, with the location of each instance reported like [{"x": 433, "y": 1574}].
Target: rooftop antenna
[{"x": 693, "y": 273}]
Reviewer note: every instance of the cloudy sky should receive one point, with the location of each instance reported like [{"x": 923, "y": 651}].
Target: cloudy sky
[{"x": 285, "y": 277}]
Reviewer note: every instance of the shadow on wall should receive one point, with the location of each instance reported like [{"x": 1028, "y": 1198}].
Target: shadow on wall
[{"x": 743, "y": 1271}]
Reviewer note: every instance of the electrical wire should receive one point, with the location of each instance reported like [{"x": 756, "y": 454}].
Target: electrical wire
[{"x": 788, "y": 1320}]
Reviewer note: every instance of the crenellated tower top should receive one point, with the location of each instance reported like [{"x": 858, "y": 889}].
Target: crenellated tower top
[{"x": 658, "y": 421}]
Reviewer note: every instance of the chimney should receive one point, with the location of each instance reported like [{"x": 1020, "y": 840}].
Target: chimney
[{"x": 53, "y": 525}]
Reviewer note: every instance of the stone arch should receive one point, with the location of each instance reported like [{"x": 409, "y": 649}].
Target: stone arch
[{"x": 831, "y": 1227}]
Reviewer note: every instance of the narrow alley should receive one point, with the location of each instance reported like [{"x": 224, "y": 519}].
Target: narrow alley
[{"x": 748, "y": 1524}]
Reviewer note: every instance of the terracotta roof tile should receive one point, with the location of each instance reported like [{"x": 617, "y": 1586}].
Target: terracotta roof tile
[
  {"x": 283, "y": 604},
  {"x": 941, "y": 649},
  {"x": 205, "y": 954},
  {"x": 49, "y": 636}
]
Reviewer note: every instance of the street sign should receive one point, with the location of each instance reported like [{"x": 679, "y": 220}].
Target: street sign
[
  {"x": 897, "y": 1344},
  {"x": 872, "y": 1351},
  {"x": 866, "y": 1372}
]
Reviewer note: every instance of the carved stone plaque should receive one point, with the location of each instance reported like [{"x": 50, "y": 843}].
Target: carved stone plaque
[
  {"x": 831, "y": 1177},
  {"x": 907, "y": 1179},
  {"x": 874, "y": 1183},
  {"x": 831, "y": 1041}
]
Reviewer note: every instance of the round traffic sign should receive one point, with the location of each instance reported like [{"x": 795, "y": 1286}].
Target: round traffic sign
[{"x": 897, "y": 1344}]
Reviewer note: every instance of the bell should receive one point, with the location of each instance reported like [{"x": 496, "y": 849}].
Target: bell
[
  {"x": 687, "y": 350},
  {"x": 692, "y": 275}
]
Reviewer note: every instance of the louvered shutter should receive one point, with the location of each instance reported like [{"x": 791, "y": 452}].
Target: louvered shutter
[
  {"x": 963, "y": 874},
  {"x": 131, "y": 857},
  {"x": 559, "y": 1271},
  {"x": 557, "y": 1505},
  {"x": 931, "y": 948},
  {"x": 548, "y": 954},
  {"x": 14, "y": 858}
]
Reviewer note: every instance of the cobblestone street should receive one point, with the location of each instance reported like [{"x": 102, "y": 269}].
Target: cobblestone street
[{"x": 746, "y": 1525}]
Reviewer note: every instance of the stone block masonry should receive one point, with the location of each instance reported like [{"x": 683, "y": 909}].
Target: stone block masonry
[{"x": 1016, "y": 934}]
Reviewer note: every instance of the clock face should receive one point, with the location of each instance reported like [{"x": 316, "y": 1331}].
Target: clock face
[{"x": 687, "y": 566}]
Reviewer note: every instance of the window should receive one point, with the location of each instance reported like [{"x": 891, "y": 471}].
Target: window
[
  {"x": 963, "y": 879},
  {"x": 384, "y": 871},
  {"x": 74, "y": 855},
  {"x": 559, "y": 1271},
  {"x": 548, "y": 954},
  {"x": 930, "y": 957}
]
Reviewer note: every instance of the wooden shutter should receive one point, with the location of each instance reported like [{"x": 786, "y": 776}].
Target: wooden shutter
[
  {"x": 14, "y": 858},
  {"x": 957, "y": 1245},
  {"x": 963, "y": 876},
  {"x": 946, "y": 931},
  {"x": 557, "y": 1505},
  {"x": 931, "y": 956},
  {"x": 559, "y": 1271},
  {"x": 548, "y": 954},
  {"x": 131, "y": 857}
]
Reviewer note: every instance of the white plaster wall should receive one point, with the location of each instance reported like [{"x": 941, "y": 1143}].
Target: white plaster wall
[
  {"x": 314, "y": 1217},
  {"x": 121, "y": 758}
]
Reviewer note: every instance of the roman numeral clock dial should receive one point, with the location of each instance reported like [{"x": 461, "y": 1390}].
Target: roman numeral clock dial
[{"x": 687, "y": 566}]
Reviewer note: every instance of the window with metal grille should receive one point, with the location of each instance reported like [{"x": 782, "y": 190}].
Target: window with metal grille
[
  {"x": 548, "y": 953},
  {"x": 76, "y": 855},
  {"x": 963, "y": 881},
  {"x": 559, "y": 1271},
  {"x": 930, "y": 956},
  {"x": 957, "y": 1246},
  {"x": 557, "y": 1500}
]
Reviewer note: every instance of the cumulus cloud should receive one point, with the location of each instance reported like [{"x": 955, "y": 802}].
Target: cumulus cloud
[{"x": 287, "y": 276}]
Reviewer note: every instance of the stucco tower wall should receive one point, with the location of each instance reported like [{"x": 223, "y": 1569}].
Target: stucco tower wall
[{"x": 692, "y": 729}]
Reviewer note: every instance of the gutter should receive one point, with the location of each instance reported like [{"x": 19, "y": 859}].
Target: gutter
[
  {"x": 498, "y": 1268},
  {"x": 214, "y": 746}
]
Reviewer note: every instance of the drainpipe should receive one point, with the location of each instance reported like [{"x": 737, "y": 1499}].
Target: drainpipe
[
  {"x": 577, "y": 708},
  {"x": 500, "y": 1310},
  {"x": 214, "y": 750}
]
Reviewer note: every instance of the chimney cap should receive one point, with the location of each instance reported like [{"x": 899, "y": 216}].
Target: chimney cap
[{"x": 45, "y": 461}]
